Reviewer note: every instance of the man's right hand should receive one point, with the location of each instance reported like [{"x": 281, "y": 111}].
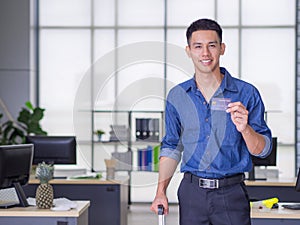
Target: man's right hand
[
  {"x": 160, "y": 199},
  {"x": 167, "y": 166}
]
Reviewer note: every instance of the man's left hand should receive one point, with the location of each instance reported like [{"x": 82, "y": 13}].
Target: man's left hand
[{"x": 239, "y": 115}]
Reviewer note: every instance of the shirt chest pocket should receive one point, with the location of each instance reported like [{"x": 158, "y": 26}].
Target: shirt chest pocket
[
  {"x": 224, "y": 130},
  {"x": 232, "y": 135}
]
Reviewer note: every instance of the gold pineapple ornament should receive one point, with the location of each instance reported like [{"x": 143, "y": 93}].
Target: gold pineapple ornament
[{"x": 44, "y": 193}]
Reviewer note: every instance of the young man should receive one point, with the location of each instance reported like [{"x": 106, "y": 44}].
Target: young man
[{"x": 214, "y": 122}]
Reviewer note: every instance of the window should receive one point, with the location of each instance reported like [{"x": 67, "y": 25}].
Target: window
[{"x": 87, "y": 58}]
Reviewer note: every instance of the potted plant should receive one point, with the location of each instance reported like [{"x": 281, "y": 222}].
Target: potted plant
[
  {"x": 99, "y": 134},
  {"x": 28, "y": 123}
]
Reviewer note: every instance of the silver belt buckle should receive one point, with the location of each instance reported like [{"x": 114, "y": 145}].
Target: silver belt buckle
[{"x": 208, "y": 183}]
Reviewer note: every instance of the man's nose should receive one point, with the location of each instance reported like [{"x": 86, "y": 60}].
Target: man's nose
[{"x": 205, "y": 51}]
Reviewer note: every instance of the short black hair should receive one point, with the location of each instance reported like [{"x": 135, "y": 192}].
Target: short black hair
[{"x": 203, "y": 24}]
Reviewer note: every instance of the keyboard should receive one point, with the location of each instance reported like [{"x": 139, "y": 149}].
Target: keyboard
[
  {"x": 295, "y": 206},
  {"x": 7, "y": 204}
]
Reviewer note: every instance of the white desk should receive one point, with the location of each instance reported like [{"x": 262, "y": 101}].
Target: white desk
[
  {"x": 105, "y": 197},
  {"x": 278, "y": 216},
  {"x": 34, "y": 216}
]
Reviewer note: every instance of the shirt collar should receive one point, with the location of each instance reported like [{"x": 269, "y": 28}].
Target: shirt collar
[{"x": 227, "y": 83}]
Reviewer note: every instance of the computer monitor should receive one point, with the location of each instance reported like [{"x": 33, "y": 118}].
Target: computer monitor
[
  {"x": 15, "y": 167},
  {"x": 53, "y": 149},
  {"x": 270, "y": 160},
  {"x": 297, "y": 187},
  {"x": 298, "y": 181}
]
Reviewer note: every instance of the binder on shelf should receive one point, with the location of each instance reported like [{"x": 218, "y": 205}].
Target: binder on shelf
[
  {"x": 153, "y": 129},
  {"x": 138, "y": 129},
  {"x": 145, "y": 159},
  {"x": 156, "y": 151},
  {"x": 141, "y": 159},
  {"x": 148, "y": 158},
  {"x": 147, "y": 129}
]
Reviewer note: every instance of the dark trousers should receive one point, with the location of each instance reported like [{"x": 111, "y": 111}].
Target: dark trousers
[{"x": 227, "y": 205}]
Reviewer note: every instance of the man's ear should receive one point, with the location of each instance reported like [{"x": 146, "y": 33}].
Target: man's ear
[
  {"x": 223, "y": 46},
  {"x": 188, "y": 51}
]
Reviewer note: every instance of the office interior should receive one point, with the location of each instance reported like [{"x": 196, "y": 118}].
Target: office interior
[{"x": 83, "y": 60}]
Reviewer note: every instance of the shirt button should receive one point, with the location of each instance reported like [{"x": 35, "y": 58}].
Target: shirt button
[
  {"x": 204, "y": 103},
  {"x": 206, "y": 120},
  {"x": 207, "y": 137}
]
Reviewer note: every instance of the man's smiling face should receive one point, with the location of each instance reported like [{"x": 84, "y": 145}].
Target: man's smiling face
[{"x": 205, "y": 50}]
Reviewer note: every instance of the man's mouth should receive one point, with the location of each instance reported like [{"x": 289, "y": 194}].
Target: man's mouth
[{"x": 206, "y": 61}]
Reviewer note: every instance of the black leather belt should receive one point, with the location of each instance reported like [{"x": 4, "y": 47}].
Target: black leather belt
[{"x": 215, "y": 183}]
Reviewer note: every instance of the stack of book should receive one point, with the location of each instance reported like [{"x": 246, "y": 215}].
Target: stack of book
[
  {"x": 147, "y": 129},
  {"x": 148, "y": 158},
  {"x": 118, "y": 133}
]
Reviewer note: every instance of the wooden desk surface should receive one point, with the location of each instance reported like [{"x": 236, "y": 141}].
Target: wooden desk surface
[
  {"x": 289, "y": 182},
  {"x": 280, "y": 213},
  {"x": 121, "y": 180},
  {"x": 33, "y": 211}
]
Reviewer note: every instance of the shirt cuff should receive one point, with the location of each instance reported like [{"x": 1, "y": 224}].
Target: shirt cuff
[
  {"x": 170, "y": 153},
  {"x": 265, "y": 152}
]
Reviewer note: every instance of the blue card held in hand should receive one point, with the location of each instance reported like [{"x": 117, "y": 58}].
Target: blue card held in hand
[{"x": 220, "y": 104}]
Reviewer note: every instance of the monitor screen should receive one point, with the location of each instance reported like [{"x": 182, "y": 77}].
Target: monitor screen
[
  {"x": 298, "y": 181},
  {"x": 53, "y": 149},
  {"x": 15, "y": 168},
  {"x": 270, "y": 160}
]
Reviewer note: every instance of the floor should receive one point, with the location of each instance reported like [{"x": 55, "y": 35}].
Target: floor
[{"x": 140, "y": 214}]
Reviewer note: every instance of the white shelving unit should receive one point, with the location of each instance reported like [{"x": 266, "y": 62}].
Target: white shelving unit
[{"x": 125, "y": 150}]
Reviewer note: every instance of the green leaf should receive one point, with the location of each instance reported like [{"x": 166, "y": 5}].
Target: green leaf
[
  {"x": 35, "y": 128},
  {"x": 15, "y": 137},
  {"x": 38, "y": 114},
  {"x": 7, "y": 128},
  {"x": 29, "y": 105},
  {"x": 24, "y": 116}
]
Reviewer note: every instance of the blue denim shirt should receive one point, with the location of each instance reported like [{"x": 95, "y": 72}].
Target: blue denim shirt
[{"x": 206, "y": 140}]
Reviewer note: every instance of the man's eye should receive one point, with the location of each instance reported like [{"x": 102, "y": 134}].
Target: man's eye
[
  {"x": 197, "y": 46},
  {"x": 212, "y": 46}
]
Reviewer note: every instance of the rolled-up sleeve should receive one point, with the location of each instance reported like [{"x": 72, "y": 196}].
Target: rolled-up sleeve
[
  {"x": 171, "y": 153},
  {"x": 257, "y": 122},
  {"x": 171, "y": 144},
  {"x": 266, "y": 151}
]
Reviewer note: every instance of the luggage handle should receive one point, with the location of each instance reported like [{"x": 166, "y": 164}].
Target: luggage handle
[{"x": 161, "y": 215}]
